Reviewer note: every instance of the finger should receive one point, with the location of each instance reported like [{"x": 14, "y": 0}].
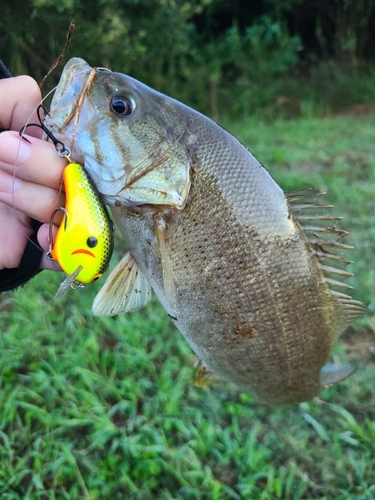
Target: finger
[
  {"x": 37, "y": 162},
  {"x": 19, "y": 98},
  {"x": 32, "y": 199},
  {"x": 16, "y": 230},
  {"x": 47, "y": 263}
]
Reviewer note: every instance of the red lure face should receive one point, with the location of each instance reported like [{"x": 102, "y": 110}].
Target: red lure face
[{"x": 83, "y": 251}]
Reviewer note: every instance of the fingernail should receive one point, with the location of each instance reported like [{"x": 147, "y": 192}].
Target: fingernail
[{"x": 13, "y": 150}]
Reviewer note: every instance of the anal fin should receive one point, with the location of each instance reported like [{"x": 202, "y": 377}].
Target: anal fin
[{"x": 125, "y": 289}]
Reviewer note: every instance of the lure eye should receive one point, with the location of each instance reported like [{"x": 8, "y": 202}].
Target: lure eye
[
  {"x": 122, "y": 106},
  {"x": 96, "y": 278},
  {"x": 91, "y": 242}
]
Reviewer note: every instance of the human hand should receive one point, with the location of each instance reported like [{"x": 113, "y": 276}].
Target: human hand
[{"x": 30, "y": 174}]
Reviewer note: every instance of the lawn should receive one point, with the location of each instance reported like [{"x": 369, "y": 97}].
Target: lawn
[{"x": 106, "y": 408}]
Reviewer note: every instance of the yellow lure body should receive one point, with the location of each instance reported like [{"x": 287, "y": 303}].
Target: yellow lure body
[{"x": 85, "y": 235}]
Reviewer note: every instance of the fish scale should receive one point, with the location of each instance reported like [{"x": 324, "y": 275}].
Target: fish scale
[
  {"x": 212, "y": 234},
  {"x": 229, "y": 303}
]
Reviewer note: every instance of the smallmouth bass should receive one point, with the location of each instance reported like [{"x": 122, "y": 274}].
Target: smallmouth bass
[{"x": 211, "y": 233}]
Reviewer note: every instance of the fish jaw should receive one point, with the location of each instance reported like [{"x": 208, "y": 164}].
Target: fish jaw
[{"x": 148, "y": 167}]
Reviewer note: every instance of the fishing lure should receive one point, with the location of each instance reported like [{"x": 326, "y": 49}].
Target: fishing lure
[{"x": 84, "y": 242}]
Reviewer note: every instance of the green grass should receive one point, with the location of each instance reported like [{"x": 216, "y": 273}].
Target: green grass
[{"x": 106, "y": 408}]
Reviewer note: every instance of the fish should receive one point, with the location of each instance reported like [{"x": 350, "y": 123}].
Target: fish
[
  {"x": 84, "y": 242},
  {"x": 253, "y": 278}
]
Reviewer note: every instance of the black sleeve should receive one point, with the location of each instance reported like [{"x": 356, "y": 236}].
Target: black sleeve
[{"x": 32, "y": 256}]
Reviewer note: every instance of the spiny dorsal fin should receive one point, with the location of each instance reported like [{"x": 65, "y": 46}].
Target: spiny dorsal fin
[
  {"x": 125, "y": 289},
  {"x": 325, "y": 246},
  {"x": 306, "y": 195},
  {"x": 335, "y": 270},
  {"x": 326, "y": 249},
  {"x": 332, "y": 256},
  {"x": 317, "y": 231},
  {"x": 302, "y": 204}
]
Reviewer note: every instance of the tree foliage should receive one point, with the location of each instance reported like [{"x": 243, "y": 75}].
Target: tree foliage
[{"x": 212, "y": 54}]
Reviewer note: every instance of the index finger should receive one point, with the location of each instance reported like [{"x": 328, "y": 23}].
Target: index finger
[
  {"x": 19, "y": 98},
  {"x": 36, "y": 161}
]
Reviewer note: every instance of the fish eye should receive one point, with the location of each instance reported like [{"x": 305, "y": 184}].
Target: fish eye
[
  {"x": 121, "y": 105},
  {"x": 91, "y": 242}
]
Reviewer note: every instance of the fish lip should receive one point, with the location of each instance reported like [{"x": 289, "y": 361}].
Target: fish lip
[
  {"x": 68, "y": 92},
  {"x": 84, "y": 251}
]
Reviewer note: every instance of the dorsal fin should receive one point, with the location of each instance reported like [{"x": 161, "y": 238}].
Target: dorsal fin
[{"x": 327, "y": 245}]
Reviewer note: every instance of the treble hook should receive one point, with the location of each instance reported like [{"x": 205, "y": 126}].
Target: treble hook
[
  {"x": 63, "y": 151},
  {"x": 62, "y": 209}
]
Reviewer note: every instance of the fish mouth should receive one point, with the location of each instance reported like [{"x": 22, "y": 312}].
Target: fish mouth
[
  {"x": 69, "y": 91},
  {"x": 84, "y": 251}
]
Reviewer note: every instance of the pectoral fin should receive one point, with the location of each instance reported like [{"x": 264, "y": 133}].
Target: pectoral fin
[
  {"x": 125, "y": 289},
  {"x": 331, "y": 373},
  {"x": 161, "y": 235}
]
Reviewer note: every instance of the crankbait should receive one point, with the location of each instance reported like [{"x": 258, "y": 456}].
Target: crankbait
[{"x": 84, "y": 242}]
